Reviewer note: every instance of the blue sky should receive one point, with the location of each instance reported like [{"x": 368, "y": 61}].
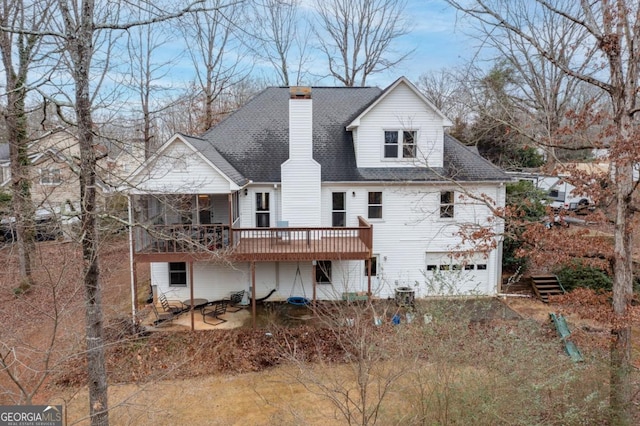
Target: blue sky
[{"x": 437, "y": 39}]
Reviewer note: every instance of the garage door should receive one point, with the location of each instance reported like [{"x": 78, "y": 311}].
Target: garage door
[{"x": 450, "y": 274}]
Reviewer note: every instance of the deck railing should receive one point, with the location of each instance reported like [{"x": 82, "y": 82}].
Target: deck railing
[
  {"x": 180, "y": 238},
  {"x": 285, "y": 240}
]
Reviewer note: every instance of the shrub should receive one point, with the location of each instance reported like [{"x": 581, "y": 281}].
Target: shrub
[{"x": 578, "y": 275}]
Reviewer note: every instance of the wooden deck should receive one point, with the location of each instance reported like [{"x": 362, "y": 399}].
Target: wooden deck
[
  {"x": 326, "y": 248},
  {"x": 192, "y": 243}
]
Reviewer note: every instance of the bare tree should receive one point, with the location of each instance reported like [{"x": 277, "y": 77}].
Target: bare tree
[
  {"x": 144, "y": 43},
  {"x": 82, "y": 24},
  {"x": 281, "y": 35},
  {"x": 213, "y": 43},
  {"x": 613, "y": 35},
  {"x": 541, "y": 89},
  {"x": 448, "y": 91},
  {"x": 20, "y": 42},
  {"x": 357, "y": 37}
]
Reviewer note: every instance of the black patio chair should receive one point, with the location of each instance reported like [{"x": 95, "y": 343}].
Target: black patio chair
[
  {"x": 214, "y": 310},
  {"x": 174, "y": 306},
  {"x": 235, "y": 299},
  {"x": 162, "y": 318}
]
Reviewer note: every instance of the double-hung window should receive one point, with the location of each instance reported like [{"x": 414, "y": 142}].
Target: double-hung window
[
  {"x": 375, "y": 205},
  {"x": 390, "y": 144},
  {"x": 263, "y": 212},
  {"x": 177, "y": 274},
  {"x": 323, "y": 272},
  {"x": 338, "y": 209},
  {"x": 400, "y": 144},
  {"x": 408, "y": 144},
  {"x": 446, "y": 204}
]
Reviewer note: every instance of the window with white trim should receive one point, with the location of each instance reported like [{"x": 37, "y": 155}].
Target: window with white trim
[
  {"x": 177, "y": 274},
  {"x": 338, "y": 209},
  {"x": 50, "y": 176},
  {"x": 400, "y": 143},
  {"x": 374, "y": 206},
  {"x": 263, "y": 212},
  {"x": 323, "y": 272},
  {"x": 446, "y": 204}
]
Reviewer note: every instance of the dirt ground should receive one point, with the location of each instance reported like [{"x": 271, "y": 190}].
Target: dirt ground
[{"x": 238, "y": 393}]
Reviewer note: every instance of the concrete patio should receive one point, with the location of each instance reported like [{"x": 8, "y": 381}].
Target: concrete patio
[{"x": 182, "y": 322}]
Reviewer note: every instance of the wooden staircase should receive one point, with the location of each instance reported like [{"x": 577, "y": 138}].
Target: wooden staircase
[{"x": 545, "y": 286}]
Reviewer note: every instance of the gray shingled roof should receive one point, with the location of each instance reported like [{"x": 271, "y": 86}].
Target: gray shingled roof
[{"x": 253, "y": 142}]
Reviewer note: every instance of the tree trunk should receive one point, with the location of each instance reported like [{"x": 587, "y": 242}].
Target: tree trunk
[
  {"x": 16, "y": 120},
  {"x": 81, "y": 50},
  {"x": 21, "y": 186},
  {"x": 97, "y": 373},
  {"x": 620, "y": 385}
]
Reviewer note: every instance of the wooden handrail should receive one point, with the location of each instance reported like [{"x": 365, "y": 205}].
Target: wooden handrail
[{"x": 201, "y": 238}]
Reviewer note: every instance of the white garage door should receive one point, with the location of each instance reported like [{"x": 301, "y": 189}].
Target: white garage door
[{"x": 450, "y": 274}]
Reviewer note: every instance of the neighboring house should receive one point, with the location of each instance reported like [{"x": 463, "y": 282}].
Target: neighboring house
[
  {"x": 54, "y": 156},
  {"x": 54, "y": 182},
  {"x": 316, "y": 192}
]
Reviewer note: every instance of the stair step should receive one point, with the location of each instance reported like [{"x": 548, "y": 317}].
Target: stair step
[{"x": 545, "y": 286}]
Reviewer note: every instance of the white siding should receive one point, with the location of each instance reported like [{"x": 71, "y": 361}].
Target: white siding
[
  {"x": 248, "y": 205},
  {"x": 301, "y": 193},
  {"x": 410, "y": 233},
  {"x": 300, "y": 174},
  {"x": 180, "y": 170},
  {"x": 401, "y": 109},
  {"x": 410, "y": 227}
]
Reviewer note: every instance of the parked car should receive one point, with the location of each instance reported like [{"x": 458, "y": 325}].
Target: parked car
[
  {"x": 565, "y": 200},
  {"x": 48, "y": 226}
]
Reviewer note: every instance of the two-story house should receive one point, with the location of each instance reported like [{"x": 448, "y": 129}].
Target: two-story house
[
  {"x": 315, "y": 192},
  {"x": 54, "y": 168}
]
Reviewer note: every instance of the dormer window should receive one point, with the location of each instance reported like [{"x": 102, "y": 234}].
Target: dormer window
[{"x": 400, "y": 143}]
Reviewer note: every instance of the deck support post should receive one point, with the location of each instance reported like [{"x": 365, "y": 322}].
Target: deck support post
[
  {"x": 368, "y": 279},
  {"x": 253, "y": 294},
  {"x": 193, "y": 327},
  {"x": 132, "y": 264},
  {"x": 314, "y": 265}
]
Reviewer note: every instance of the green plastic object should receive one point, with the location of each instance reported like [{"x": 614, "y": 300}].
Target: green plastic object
[
  {"x": 572, "y": 351},
  {"x": 563, "y": 330}
]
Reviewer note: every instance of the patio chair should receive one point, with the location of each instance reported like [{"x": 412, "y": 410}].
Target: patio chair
[
  {"x": 162, "y": 318},
  {"x": 174, "y": 306},
  {"x": 235, "y": 298},
  {"x": 214, "y": 310}
]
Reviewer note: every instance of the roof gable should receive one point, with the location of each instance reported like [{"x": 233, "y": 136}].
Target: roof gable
[
  {"x": 181, "y": 148},
  {"x": 402, "y": 80}
]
